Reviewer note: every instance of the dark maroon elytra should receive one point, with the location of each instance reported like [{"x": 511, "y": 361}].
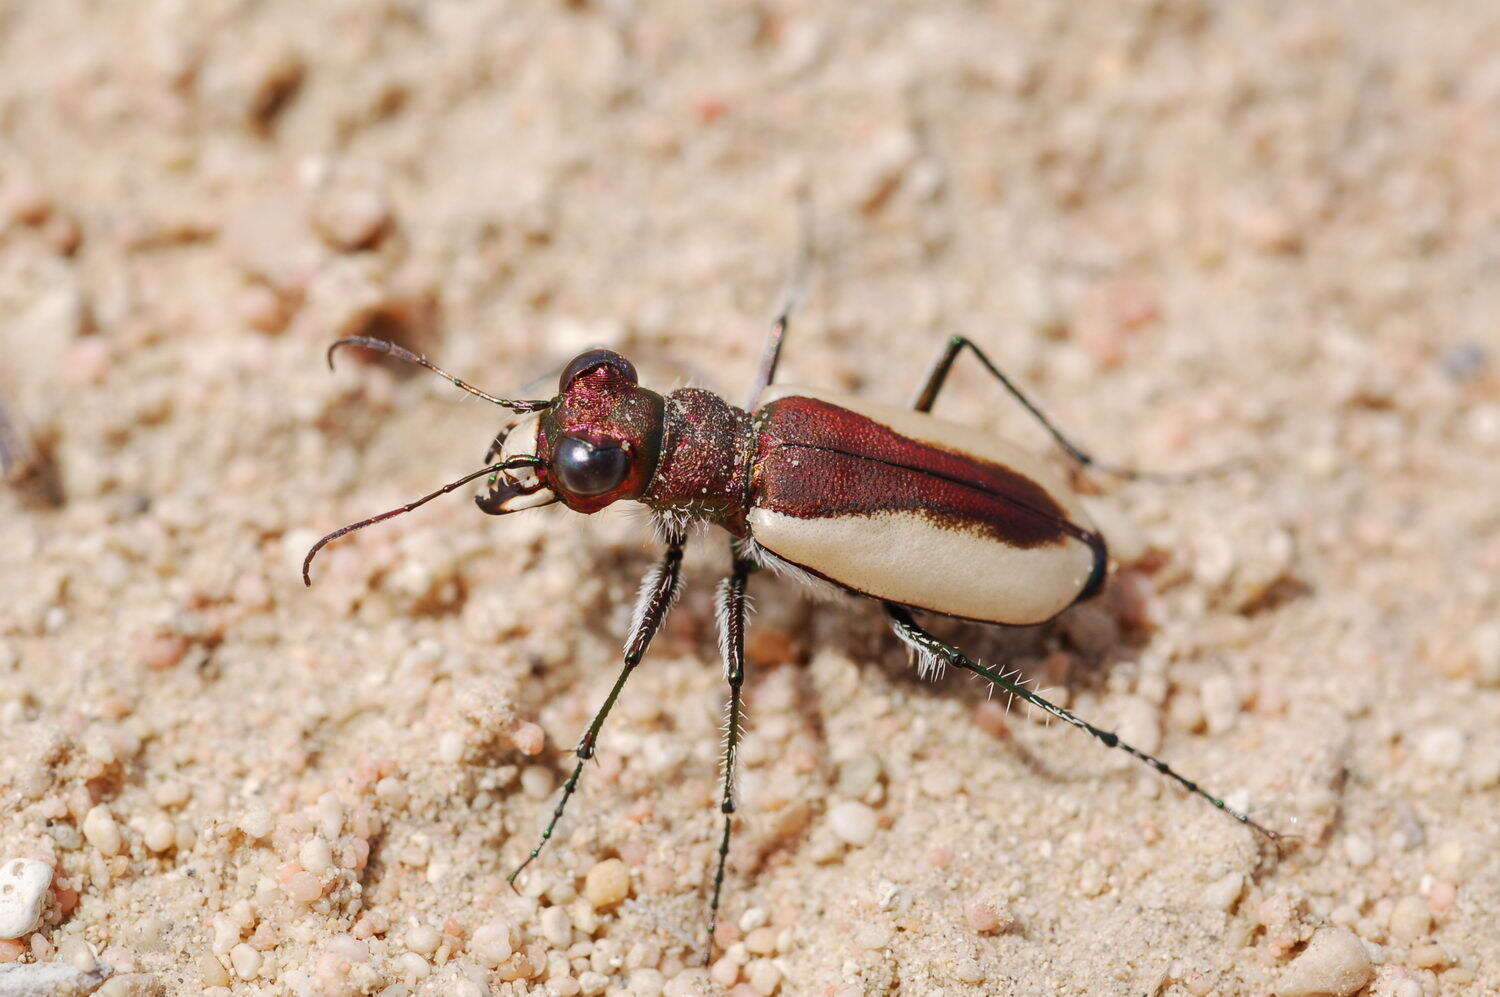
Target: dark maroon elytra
[{"x": 816, "y": 460}]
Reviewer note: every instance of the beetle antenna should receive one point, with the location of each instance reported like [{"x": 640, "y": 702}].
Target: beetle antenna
[
  {"x": 504, "y": 465},
  {"x": 401, "y": 353}
]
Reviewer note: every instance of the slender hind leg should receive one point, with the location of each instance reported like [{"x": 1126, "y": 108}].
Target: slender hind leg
[
  {"x": 732, "y": 646},
  {"x": 925, "y": 643},
  {"x": 771, "y": 353},
  {"x": 658, "y": 591},
  {"x": 928, "y": 395},
  {"x": 939, "y": 374}
]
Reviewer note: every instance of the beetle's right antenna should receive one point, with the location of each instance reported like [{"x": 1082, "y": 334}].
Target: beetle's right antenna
[
  {"x": 401, "y": 353},
  {"x": 510, "y": 464}
]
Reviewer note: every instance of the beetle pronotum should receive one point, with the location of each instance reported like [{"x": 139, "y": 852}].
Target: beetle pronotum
[{"x": 828, "y": 489}]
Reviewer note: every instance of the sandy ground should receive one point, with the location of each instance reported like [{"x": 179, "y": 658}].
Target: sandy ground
[{"x": 1196, "y": 231}]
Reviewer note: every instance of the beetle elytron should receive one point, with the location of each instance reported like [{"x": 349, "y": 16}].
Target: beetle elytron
[{"x": 890, "y": 504}]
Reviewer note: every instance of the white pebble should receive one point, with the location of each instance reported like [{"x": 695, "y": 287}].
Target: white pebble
[
  {"x": 491, "y": 944},
  {"x": 102, "y": 832},
  {"x": 23, "y": 893},
  {"x": 450, "y": 747},
  {"x": 423, "y": 938},
  {"x": 592, "y": 983},
  {"x": 1334, "y": 963},
  {"x": 255, "y": 823},
  {"x": 764, "y": 977},
  {"x": 315, "y": 855},
  {"x": 536, "y": 782},
  {"x": 1224, "y": 892},
  {"x": 1359, "y": 851},
  {"x": 853, "y": 822},
  {"x": 246, "y": 961},
  {"x": 159, "y": 833},
  {"x": 49, "y": 979},
  {"x": 1221, "y": 703},
  {"x": 412, "y": 967},
  {"x": 754, "y": 917},
  {"x": 1442, "y": 748},
  {"x": 1410, "y": 920},
  {"x": 557, "y": 927}
]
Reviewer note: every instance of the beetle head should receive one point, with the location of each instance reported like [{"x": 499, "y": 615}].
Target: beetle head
[{"x": 597, "y": 442}]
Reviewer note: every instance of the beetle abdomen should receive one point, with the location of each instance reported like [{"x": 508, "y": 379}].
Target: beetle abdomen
[{"x": 913, "y": 509}]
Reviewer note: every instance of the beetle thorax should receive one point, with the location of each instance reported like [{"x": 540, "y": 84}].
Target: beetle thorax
[{"x": 705, "y": 460}]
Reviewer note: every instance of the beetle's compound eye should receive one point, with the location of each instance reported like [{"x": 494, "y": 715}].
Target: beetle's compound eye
[
  {"x": 581, "y": 468},
  {"x": 592, "y": 360}
]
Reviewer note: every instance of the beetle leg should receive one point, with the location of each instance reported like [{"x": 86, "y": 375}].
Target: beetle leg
[
  {"x": 925, "y": 643},
  {"x": 771, "y": 353},
  {"x": 732, "y": 646},
  {"x": 925, "y": 398},
  {"x": 659, "y": 590}
]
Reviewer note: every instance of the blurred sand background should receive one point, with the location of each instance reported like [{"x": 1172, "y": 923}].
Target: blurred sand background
[{"x": 1196, "y": 231}]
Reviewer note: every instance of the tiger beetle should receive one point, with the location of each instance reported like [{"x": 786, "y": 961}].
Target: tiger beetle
[{"x": 885, "y": 503}]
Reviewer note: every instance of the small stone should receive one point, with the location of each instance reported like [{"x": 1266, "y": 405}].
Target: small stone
[
  {"x": 23, "y": 893},
  {"x": 968, "y": 971},
  {"x": 1411, "y": 920},
  {"x": 607, "y": 883},
  {"x": 423, "y": 938},
  {"x": 557, "y": 927},
  {"x": 1221, "y": 703},
  {"x": 50, "y": 979},
  {"x": 1334, "y": 963},
  {"x": 529, "y": 739},
  {"x": 351, "y": 215},
  {"x": 984, "y": 916},
  {"x": 1359, "y": 851},
  {"x": 592, "y": 983},
  {"x": 245, "y": 960},
  {"x": 303, "y": 887},
  {"x": 315, "y": 855},
  {"x": 761, "y": 941},
  {"x": 255, "y": 823},
  {"x": 102, "y": 832},
  {"x": 1224, "y": 892},
  {"x": 1442, "y": 748},
  {"x": 858, "y": 776},
  {"x": 764, "y": 977},
  {"x": 853, "y": 822},
  {"x": 491, "y": 944},
  {"x": 536, "y": 782},
  {"x": 159, "y": 833},
  {"x": 725, "y": 972}
]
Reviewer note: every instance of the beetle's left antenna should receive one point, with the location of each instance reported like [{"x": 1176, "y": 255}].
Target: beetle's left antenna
[
  {"x": 509, "y": 464},
  {"x": 401, "y": 353}
]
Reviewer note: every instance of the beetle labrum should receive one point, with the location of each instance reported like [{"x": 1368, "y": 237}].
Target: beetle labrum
[{"x": 830, "y": 490}]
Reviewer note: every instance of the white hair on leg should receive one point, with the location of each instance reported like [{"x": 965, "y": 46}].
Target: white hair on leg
[{"x": 929, "y": 665}]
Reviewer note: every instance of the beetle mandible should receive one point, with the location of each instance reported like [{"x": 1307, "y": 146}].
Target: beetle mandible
[{"x": 831, "y": 490}]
